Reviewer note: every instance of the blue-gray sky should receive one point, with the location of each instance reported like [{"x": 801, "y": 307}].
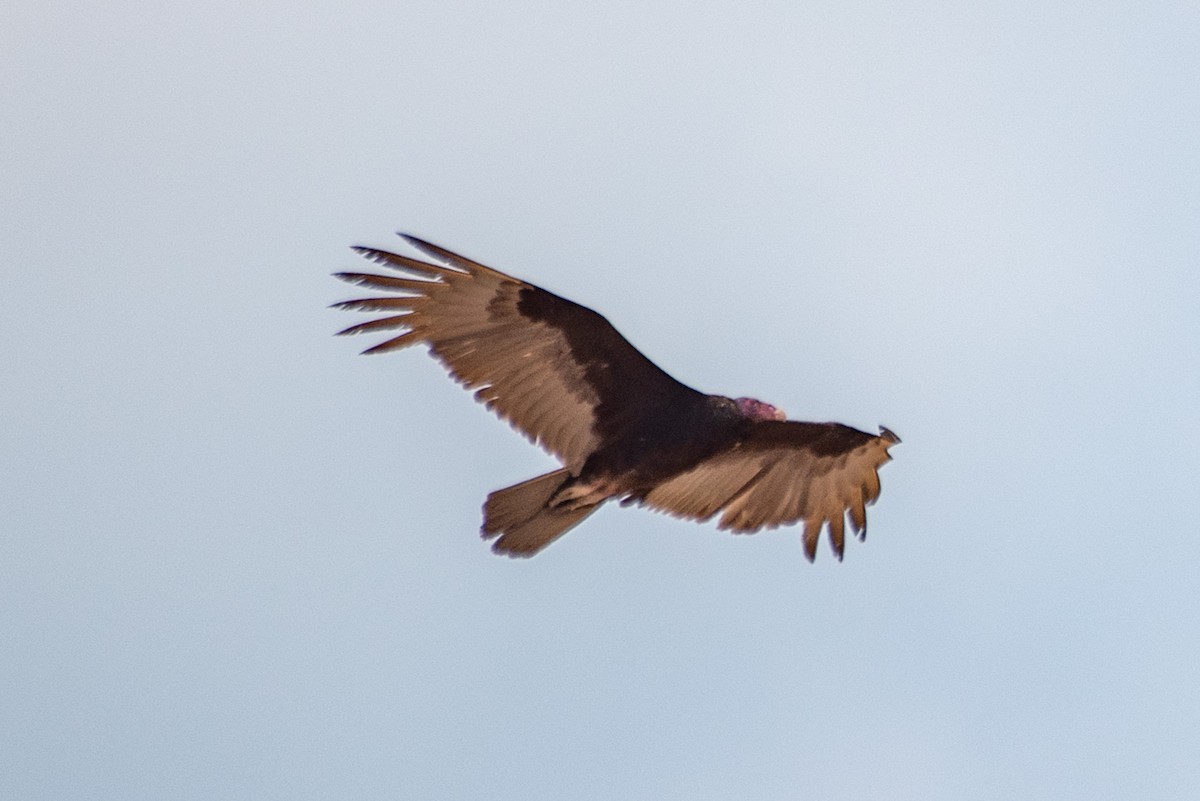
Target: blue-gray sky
[{"x": 239, "y": 561}]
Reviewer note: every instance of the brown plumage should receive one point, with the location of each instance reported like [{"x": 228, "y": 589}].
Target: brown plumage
[{"x": 620, "y": 426}]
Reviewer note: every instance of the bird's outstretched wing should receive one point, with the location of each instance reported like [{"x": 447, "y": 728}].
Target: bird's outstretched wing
[
  {"x": 784, "y": 472},
  {"x": 555, "y": 370}
]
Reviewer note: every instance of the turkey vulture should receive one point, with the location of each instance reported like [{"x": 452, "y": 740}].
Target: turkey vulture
[{"x": 621, "y": 427}]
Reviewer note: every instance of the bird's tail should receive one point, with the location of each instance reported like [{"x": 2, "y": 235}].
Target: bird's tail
[{"x": 518, "y": 515}]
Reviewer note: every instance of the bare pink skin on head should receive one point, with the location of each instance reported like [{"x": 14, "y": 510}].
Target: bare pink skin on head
[{"x": 757, "y": 410}]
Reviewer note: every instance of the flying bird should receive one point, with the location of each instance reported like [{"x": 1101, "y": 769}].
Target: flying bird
[{"x": 620, "y": 426}]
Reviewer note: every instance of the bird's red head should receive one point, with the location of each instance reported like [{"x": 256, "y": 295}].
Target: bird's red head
[{"x": 757, "y": 410}]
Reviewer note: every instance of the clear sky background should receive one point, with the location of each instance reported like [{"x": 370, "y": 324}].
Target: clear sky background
[{"x": 239, "y": 561}]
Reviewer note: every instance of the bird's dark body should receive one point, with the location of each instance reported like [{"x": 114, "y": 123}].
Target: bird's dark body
[
  {"x": 653, "y": 427},
  {"x": 621, "y": 426},
  {"x": 665, "y": 442}
]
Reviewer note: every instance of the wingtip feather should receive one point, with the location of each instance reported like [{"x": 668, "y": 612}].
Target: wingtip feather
[
  {"x": 812, "y": 535},
  {"x": 395, "y": 343}
]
